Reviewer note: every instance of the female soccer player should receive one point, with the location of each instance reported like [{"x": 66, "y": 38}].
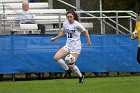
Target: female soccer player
[
  {"x": 73, "y": 29},
  {"x": 137, "y": 28}
]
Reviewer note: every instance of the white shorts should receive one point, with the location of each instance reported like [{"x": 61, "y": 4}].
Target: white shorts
[{"x": 72, "y": 49}]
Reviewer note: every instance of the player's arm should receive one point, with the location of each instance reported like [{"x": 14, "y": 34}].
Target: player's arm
[
  {"x": 58, "y": 36},
  {"x": 87, "y": 37},
  {"x": 85, "y": 32}
]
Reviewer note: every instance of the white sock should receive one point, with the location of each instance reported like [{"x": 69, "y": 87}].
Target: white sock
[
  {"x": 62, "y": 63},
  {"x": 76, "y": 69}
]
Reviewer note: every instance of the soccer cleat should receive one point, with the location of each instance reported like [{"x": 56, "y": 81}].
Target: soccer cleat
[
  {"x": 67, "y": 72},
  {"x": 81, "y": 79}
]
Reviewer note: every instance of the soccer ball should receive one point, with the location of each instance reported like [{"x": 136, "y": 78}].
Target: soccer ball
[
  {"x": 70, "y": 59},
  {"x": 135, "y": 34}
]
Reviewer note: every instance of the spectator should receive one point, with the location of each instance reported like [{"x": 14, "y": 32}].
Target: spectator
[{"x": 27, "y": 18}]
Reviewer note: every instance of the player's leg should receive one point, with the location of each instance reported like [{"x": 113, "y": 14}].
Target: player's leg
[
  {"x": 76, "y": 69},
  {"x": 58, "y": 57},
  {"x": 138, "y": 55}
]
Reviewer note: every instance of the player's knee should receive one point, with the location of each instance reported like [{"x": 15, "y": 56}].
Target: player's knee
[{"x": 56, "y": 58}]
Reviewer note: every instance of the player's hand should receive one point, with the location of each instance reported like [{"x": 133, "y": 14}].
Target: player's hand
[
  {"x": 89, "y": 43},
  {"x": 52, "y": 39}
]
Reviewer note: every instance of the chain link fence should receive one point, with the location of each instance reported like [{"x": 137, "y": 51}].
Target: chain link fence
[
  {"x": 109, "y": 25},
  {"x": 103, "y": 23}
]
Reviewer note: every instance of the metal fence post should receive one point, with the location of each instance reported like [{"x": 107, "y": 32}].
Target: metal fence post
[
  {"x": 130, "y": 25},
  {"x": 103, "y": 26},
  {"x": 0, "y": 24},
  {"x": 50, "y": 3},
  {"x": 101, "y": 20},
  {"x": 3, "y": 5},
  {"x": 78, "y": 7},
  {"x": 117, "y": 22},
  {"x": 59, "y": 21}
]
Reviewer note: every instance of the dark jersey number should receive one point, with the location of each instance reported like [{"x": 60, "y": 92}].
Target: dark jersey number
[{"x": 69, "y": 35}]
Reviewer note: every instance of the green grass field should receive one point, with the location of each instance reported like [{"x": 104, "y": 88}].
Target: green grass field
[{"x": 130, "y": 84}]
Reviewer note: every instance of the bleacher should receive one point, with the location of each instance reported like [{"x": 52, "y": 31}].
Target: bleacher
[
  {"x": 46, "y": 16},
  {"x": 51, "y": 18}
]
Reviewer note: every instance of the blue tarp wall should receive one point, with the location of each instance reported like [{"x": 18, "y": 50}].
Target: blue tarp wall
[{"x": 34, "y": 53}]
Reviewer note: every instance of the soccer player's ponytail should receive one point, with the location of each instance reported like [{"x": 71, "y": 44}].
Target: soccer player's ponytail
[{"x": 74, "y": 14}]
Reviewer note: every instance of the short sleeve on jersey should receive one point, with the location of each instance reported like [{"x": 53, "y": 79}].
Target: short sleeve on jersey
[{"x": 80, "y": 27}]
